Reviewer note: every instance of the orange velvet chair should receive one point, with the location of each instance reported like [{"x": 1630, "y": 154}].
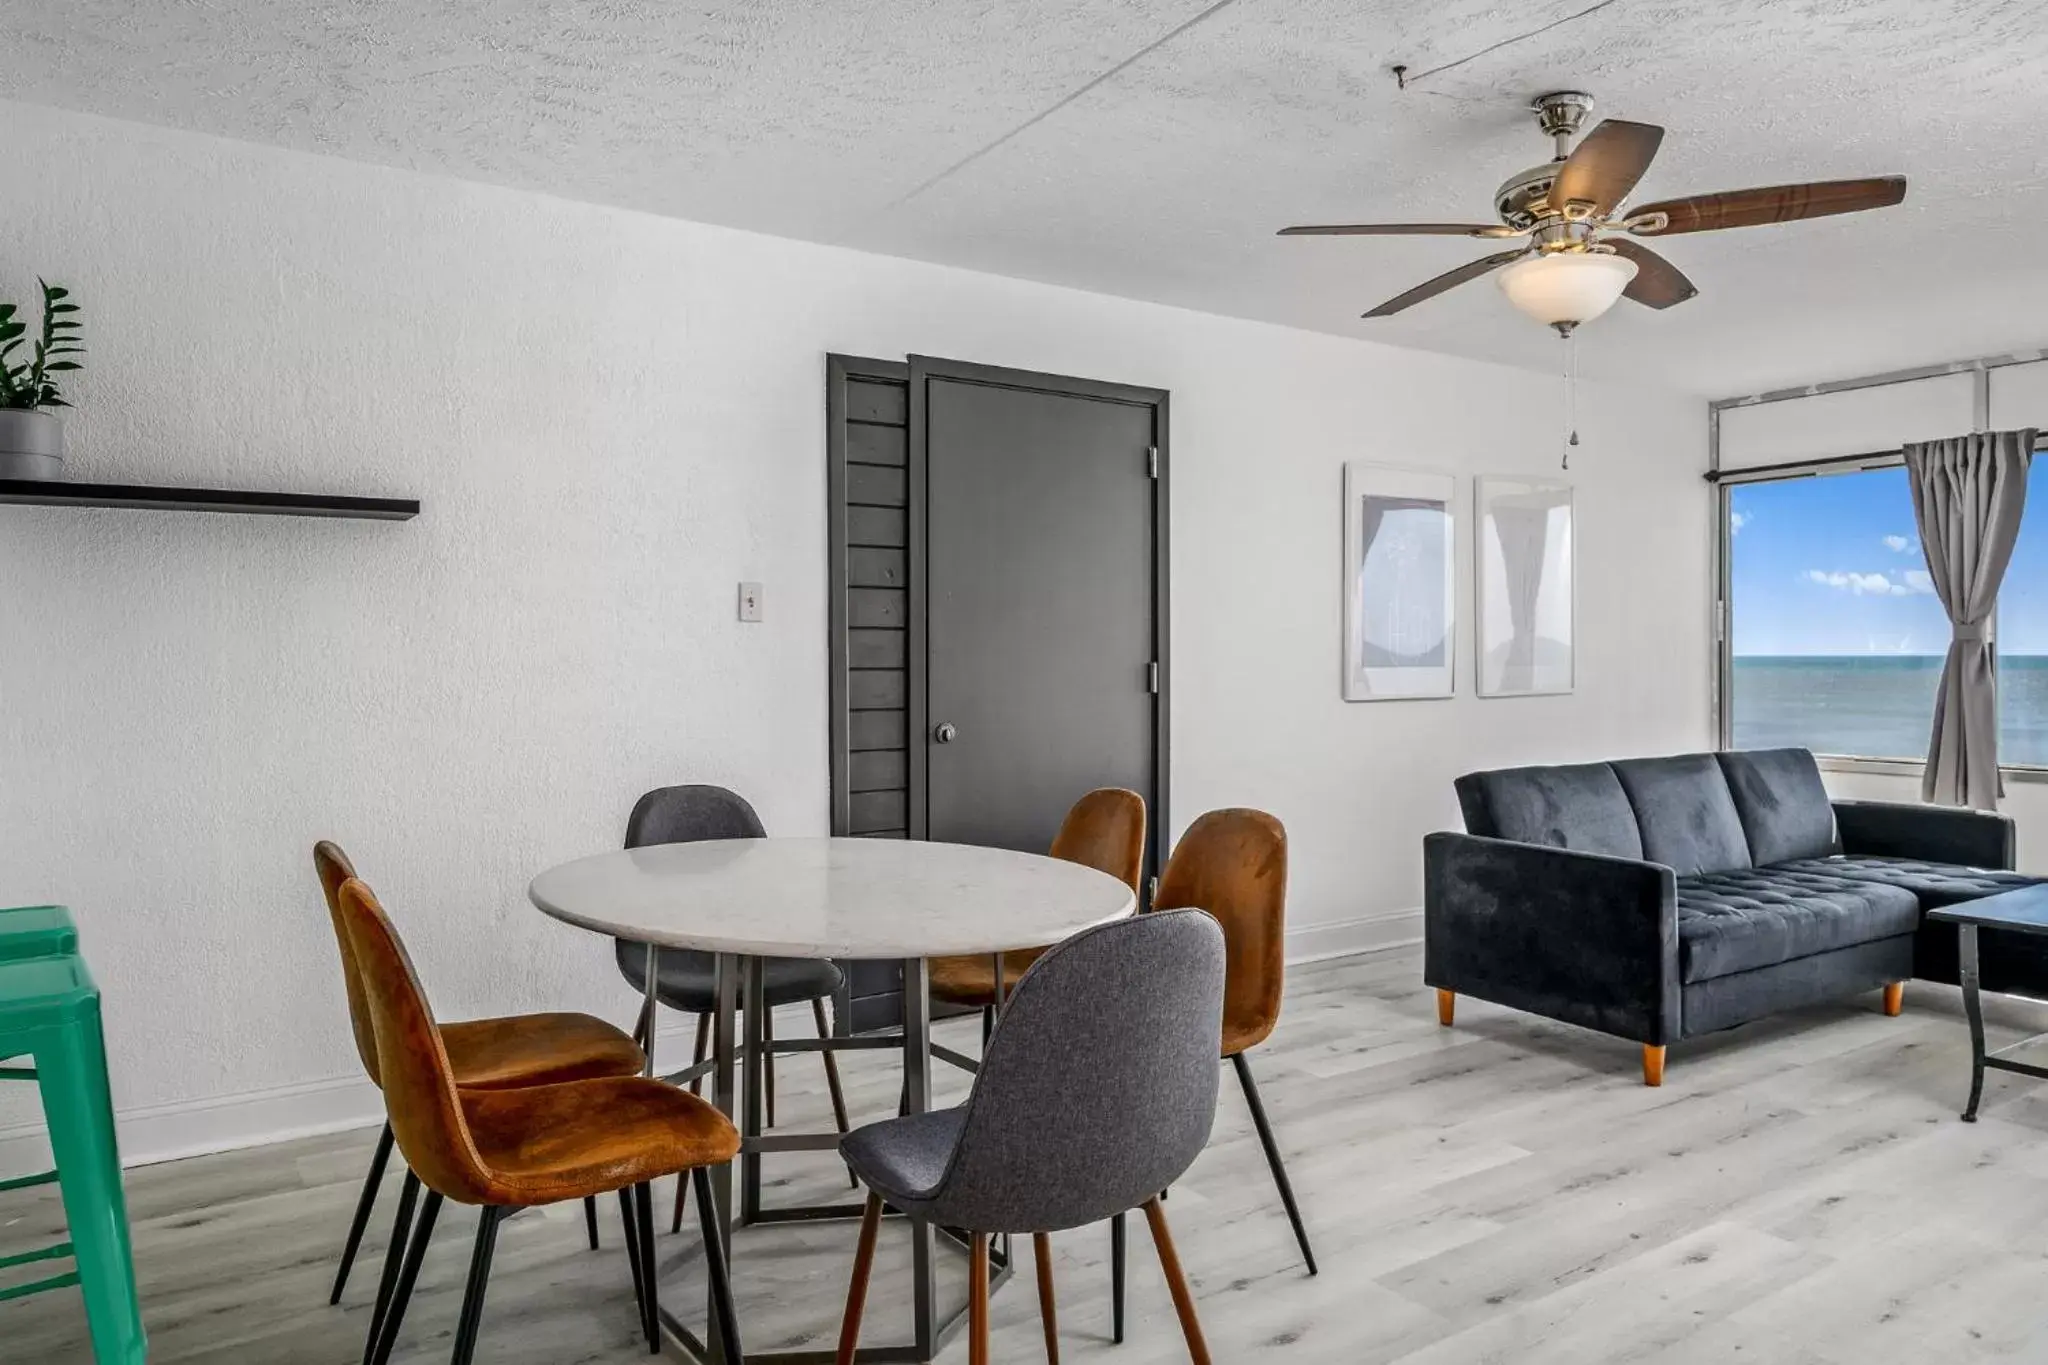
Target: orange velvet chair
[
  {"x": 485, "y": 1054},
  {"x": 1104, "y": 830},
  {"x": 517, "y": 1148},
  {"x": 1233, "y": 863}
]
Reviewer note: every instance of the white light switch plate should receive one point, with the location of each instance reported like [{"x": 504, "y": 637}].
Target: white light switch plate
[{"x": 750, "y": 601}]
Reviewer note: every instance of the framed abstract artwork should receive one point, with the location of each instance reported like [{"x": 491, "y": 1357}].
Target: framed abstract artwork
[
  {"x": 1400, "y": 584},
  {"x": 1522, "y": 577}
]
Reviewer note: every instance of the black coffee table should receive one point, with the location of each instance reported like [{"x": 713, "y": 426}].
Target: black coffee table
[{"x": 2022, "y": 911}]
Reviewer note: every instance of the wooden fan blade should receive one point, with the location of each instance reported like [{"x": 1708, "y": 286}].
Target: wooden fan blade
[
  {"x": 1658, "y": 283},
  {"x": 1771, "y": 204},
  {"x": 1606, "y": 165},
  {"x": 1450, "y": 279},
  {"x": 1400, "y": 230}
]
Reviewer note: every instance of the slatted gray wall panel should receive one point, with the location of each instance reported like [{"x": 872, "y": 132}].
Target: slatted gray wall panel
[{"x": 869, "y": 439}]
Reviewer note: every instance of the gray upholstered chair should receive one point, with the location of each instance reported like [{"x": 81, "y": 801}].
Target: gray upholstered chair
[
  {"x": 686, "y": 980},
  {"x": 1096, "y": 1092}
]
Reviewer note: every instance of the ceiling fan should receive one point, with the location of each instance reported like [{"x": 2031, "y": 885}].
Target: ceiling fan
[{"x": 1579, "y": 253}]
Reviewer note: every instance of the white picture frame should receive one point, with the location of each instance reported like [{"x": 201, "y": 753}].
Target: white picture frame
[
  {"x": 1524, "y": 582},
  {"x": 1400, "y": 583}
]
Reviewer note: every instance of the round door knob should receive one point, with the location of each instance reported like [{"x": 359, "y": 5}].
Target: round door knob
[{"x": 944, "y": 734}]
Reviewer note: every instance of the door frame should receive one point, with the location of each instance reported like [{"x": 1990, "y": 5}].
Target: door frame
[{"x": 921, "y": 370}]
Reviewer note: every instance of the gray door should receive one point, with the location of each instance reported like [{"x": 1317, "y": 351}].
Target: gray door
[{"x": 1041, "y": 567}]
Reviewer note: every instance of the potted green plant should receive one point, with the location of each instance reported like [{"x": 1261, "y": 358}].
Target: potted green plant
[{"x": 31, "y": 435}]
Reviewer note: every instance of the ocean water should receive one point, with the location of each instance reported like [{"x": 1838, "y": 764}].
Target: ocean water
[{"x": 1876, "y": 706}]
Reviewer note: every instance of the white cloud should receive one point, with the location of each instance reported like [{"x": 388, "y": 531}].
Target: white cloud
[
  {"x": 1900, "y": 544},
  {"x": 1738, "y": 520},
  {"x": 1909, "y": 583}
]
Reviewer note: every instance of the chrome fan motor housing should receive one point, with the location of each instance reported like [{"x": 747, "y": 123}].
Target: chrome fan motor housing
[{"x": 1523, "y": 200}]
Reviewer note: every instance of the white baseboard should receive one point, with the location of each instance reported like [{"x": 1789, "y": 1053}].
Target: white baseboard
[
  {"x": 256, "y": 1118},
  {"x": 1348, "y": 937}
]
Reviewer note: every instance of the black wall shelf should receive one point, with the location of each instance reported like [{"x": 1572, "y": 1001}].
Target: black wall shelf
[{"x": 60, "y": 493}]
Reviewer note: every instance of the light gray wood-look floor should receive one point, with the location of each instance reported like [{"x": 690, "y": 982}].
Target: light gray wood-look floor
[{"x": 1800, "y": 1192}]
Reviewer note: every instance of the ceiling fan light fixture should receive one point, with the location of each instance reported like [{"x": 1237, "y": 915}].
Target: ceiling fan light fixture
[{"x": 1565, "y": 288}]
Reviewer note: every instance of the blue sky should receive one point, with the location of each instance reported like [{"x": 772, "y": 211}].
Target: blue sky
[{"x": 1832, "y": 565}]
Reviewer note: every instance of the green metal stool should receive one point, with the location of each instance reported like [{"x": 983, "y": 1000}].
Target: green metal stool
[{"x": 50, "y": 1014}]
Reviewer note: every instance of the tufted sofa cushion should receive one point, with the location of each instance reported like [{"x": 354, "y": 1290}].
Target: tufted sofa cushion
[
  {"x": 1739, "y": 920},
  {"x": 1784, "y": 805},
  {"x": 1935, "y": 884}
]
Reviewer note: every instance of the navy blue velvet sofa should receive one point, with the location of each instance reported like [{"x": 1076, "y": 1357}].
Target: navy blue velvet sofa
[{"x": 1658, "y": 899}]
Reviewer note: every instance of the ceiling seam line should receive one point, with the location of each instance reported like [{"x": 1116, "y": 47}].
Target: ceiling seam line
[
  {"x": 1410, "y": 81},
  {"x": 1065, "y": 100}
]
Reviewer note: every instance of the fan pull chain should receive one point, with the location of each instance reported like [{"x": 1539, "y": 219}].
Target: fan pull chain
[{"x": 1571, "y": 391}]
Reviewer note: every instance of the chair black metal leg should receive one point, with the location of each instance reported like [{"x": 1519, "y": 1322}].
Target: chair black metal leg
[
  {"x": 675, "y": 1223},
  {"x": 768, "y": 1060},
  {"x": 590, "y": 1220},
  {"x": 831, "y": 1086},
  {"x": 364, "y": 1204},
  {"x": 629, "y": 1226},
  {"x": 401, "y": 1229},
  {"x": 488, "y": 1219},
  {"x": 408, "y": 1276},
  {"x": 1251, "y": 1095},
  {"x": 714, "y": 1262},
  {"x": 1116, "y": 1279},
  {"x": 650, "y": 1298}
]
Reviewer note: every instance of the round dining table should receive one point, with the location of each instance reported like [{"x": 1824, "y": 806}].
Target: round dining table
[{"x": 742, "y": 900}]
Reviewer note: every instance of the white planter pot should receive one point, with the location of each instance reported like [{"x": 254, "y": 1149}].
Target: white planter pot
[{"x": 31, "y": 444}]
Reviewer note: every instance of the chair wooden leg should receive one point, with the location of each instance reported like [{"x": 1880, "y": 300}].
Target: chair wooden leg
[
  {"x": 1446, "y": 1007},
  {"x": 1653, "y": 1065},
  {"x": 1048, "y": 1313},
  {"x": 977, "y": 1299},
  {"x": 1176, "y": 1282},
  {"x": 857, "y": 1290},
  {"x": 682, "y": 1197},
  {"x": 479, "y": 1277},
  {"x": 728, "y": 1323},
  {"x": 368, "y": 1201},
  {"x": 590, "y": 1220},
  {"x": 408, "y": 1276},
  {"x": 1894, "y": 999},
  {"x": 1251, "y": 1095},
  {"x": 1116, "y": 1279}
]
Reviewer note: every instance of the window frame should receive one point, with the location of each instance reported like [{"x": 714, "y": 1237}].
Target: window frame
[{"x": 1721, "y": 609}]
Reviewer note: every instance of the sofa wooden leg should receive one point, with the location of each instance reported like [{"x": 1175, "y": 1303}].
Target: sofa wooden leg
[
  {"x": 1653, "y": 1065},
  {"x": 1895, "y": 998},
  {"x": 1446, "y": 1006}
]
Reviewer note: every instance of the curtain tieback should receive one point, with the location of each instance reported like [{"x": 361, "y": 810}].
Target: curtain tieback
[{"x": 1972, "y": 632}]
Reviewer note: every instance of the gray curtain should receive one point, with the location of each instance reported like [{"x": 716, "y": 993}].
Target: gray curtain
[{"x": 1968, "y": 493}]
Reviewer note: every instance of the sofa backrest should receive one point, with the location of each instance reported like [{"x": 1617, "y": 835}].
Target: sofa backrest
[
  {"x": 1685, "y": 812},
  {"x": 1694, "y": 813},
  {"x": 1784, "y": 805},
  {"x": 1580, "y": 807}
]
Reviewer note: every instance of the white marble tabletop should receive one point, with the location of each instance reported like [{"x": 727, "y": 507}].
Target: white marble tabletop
[{"x": 847, "y": 898}]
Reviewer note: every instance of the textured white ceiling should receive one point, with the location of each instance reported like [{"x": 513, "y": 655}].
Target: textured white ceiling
[{"x": 1150, "y": 147}]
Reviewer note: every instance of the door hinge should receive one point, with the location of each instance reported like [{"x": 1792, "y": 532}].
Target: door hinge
[
  {"x": 1152, "y": 677},
  {"x": 1152, "y": 461}
]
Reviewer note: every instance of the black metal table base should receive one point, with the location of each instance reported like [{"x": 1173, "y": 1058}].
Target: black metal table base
[
  {"x": 1980, "y": 1060},
  {"x": 737, "y": 976}
]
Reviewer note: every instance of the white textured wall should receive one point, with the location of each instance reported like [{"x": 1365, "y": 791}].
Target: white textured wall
[{"x": 612, "y": 418}]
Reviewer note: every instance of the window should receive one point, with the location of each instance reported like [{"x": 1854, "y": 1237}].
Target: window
[{"x": 1835, "y": 638}]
